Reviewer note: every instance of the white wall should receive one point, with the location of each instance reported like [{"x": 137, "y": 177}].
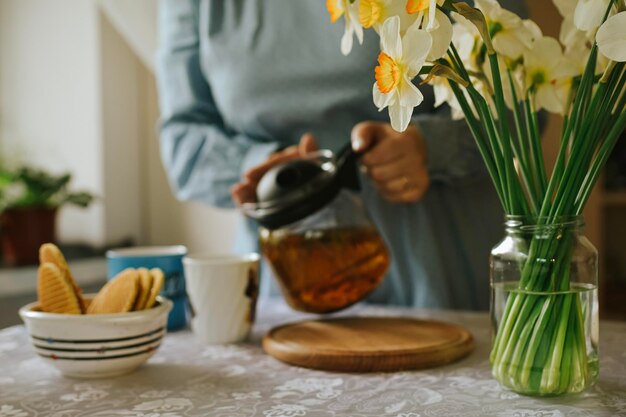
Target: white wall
[
  {"x": 77, "y": 93},
  {"x": 199, "y": 227},
  {"x": 49, "y": 84},
  {"x": 136, "y": 20},
  {"x": 165, "y": 220},
  {"x": 121, "y": 97}
]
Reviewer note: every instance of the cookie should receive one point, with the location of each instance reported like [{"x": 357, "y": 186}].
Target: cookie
[
  {"x": 118, "y": 295},
  {"x": 145, "y": 286},
  {"x": 158, "y": 280},
  {"x": 49, "y": 252},
  {"x": 54, "y": 292}
]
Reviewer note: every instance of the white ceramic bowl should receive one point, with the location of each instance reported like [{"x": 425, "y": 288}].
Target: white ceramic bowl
[{"x": 96, "y": 345}]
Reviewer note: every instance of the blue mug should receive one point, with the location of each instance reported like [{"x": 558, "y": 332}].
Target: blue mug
[{"x": 170, "y": 260}]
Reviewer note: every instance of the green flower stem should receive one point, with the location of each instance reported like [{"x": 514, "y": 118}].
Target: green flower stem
[
  {"x": 521, "y": 318},
  {"x": 581, "y": 154},
  {"x": 540, "y": 336},
  {"x": 488, "y": 123},
  {"x": 521, "y": 153},
  {"x": 540, "y": 346},
  {"x": 600, "y": 161},
  {"x": 618, "y": 124},
  {"x": 583, "y": 158},
  {"x": 527, "y": 306},
  {"x": 568, "y": 355},
  {"x": 535, "y": 140},
  {"x": 516, "y": 195},
  {"x": 580, "y": 102},
  {"x": 475, "y": 128},
  {"x": 536, "y": 320},
  {"x": 460, "y": 66},
  {"x": 550, "y": 377}
]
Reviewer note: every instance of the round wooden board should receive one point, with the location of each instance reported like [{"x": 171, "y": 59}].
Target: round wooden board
[{"x": 368, "y": 344}]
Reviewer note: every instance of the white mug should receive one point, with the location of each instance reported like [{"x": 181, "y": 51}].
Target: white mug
[{"x": 222, "y": 291}]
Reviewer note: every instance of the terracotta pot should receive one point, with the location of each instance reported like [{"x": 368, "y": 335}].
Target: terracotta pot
[{"x": 23, "y": 231}]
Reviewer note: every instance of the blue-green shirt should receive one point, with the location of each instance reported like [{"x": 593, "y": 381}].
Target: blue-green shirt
[{"x": 240, "y": 78}]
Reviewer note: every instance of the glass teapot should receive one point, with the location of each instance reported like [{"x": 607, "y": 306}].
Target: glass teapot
[{"x": 316, "y": 234}]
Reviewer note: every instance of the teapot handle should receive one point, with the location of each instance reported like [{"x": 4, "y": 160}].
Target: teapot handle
[{"x": 347, "y": 166}]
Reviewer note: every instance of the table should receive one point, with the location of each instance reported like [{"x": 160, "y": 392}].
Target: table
[{"x": 185, "y": 378}]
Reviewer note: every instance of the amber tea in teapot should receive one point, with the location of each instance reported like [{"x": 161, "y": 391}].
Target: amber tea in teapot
[
  {"x": 325, "y": 270},
  {"x": 316, "y": 233}
]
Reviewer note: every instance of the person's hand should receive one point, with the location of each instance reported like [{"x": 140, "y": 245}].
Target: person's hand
[
  {"x": 395, "y": 161},
  {"x": 245, "y": 191}
]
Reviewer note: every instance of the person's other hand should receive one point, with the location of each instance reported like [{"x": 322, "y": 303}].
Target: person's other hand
[
  {"x": 245, "y": 191},
  {"x": 395, "y": 161}
]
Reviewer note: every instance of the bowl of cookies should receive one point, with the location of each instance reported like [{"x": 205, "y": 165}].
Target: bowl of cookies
[{"x": 99, "y": 335}]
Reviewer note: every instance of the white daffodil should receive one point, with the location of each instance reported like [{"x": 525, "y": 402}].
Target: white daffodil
[
  {"x": 444, "y": 95},
  {"x": 465, "y": 39},
  {"x": 548, "y": 74},
  {"x": 611, "y": 37},
  {"x": 566, "y": 7},
  {"x": 532, "y": 28},
  {"x": 373, "y": 13},
  {"x": 511, "y": 35},
  {"x": 570, "y": 36},
  {"x": 435, "y": 22},
  {"x": 517, "y": 78},
  {"x": 421, "y": 7},
  {"x": 588, "y": 14},
  {"x": 399, "y": 62},
  {"x": 350, "y": 13},
  {"x": 577, "y": 43}
]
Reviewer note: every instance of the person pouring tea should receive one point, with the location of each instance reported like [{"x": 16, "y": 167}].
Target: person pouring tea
[{"x": 245, "y": 85}]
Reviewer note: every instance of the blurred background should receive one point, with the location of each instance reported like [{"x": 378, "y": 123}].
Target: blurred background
[{"x": 78, "y": 95}]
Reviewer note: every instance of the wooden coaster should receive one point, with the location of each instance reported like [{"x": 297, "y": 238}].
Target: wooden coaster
[{"x": 368, "y": 344}]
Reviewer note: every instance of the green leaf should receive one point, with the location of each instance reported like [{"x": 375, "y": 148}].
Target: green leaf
[
  {"x": 38, "y": 188},
  {"x": 80, "y": 199}
]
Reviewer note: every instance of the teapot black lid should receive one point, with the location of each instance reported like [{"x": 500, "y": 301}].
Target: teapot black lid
[{"x": 296, "y": 189}]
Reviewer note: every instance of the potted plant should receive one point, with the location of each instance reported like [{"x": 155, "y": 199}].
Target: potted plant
[{"x": 29, "y": 201}]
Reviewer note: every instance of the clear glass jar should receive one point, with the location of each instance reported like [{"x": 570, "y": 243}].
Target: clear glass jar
[{"x": 544, "y": 307}]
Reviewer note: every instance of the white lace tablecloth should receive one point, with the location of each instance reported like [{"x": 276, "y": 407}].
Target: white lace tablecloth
[{"x": 185, "y": 378}]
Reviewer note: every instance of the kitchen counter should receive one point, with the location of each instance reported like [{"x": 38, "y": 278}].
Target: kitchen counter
[{"x": 185, "y": 378}]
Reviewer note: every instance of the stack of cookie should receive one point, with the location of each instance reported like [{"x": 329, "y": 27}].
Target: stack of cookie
[{"x": 57, "y": 291}]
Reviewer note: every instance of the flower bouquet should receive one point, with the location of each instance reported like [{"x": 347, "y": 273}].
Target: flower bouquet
[{"x": 498, "y": 71}]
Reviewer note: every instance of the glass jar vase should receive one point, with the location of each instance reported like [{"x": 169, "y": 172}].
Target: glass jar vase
[{"x": 544, "y": 307}]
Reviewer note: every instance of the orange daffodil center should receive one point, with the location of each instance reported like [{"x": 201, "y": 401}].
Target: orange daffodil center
[
  {"x": 434, "y": 21},
  {"x": 421, "y": 7},
  {"x": 400, "y": 62},
  {"x": 387, "y": 73},
  {"x": 415, "y": 6},
  {"x": 371, "y": 12},
  {"x": 334, "y": 10},
  {"x": 350, "y": 12},
  {"x": 408, "y": 40}
]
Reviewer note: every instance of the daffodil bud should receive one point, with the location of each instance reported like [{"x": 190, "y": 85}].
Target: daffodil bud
[
  {"x": 478, "y": 19},
  {"x": 439, "y": 70}
]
